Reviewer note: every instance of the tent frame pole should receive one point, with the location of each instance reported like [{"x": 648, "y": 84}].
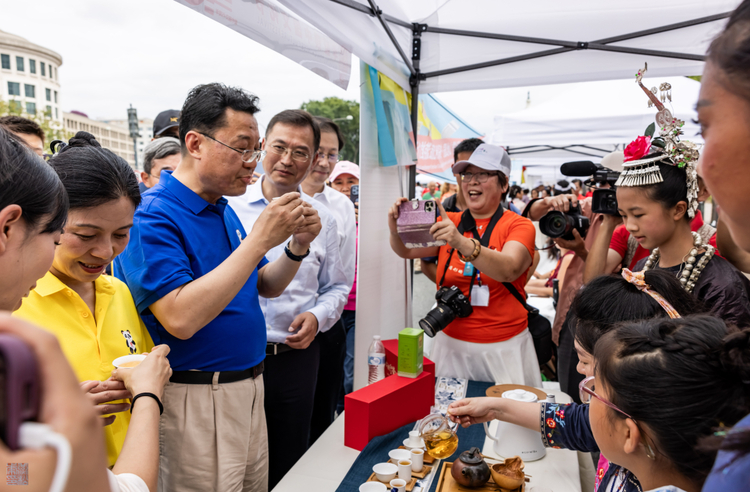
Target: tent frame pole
[
  {"x": 574, "y": 44},
  {"x": 563, "y": 46}
]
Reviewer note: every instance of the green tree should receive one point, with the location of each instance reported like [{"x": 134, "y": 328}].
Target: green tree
[
  {"x": 338, "y": 110},
  {"x": 51, "y": 128}
]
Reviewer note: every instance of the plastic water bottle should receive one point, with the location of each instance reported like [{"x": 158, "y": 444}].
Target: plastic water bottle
[{"x": 376, "y": 360}]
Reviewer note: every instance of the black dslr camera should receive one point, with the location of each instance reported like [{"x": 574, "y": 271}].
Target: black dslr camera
[
  {"x": 558, "y": 224},
  {"x": 451, "y": 304},
  {"x": 603, "y": 200}
]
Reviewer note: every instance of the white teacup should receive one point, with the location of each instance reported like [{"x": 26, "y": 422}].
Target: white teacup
[
  {"x": 415, "y": 439},
  {"x": 404, "y": 470},
  {"x": 398, "y": 485},
  {"x": 127, "y": 361},
  {"x": 397, "y": 455},
  {"x": 373, "y": 487},
  {"x": 417, "y": 460}
]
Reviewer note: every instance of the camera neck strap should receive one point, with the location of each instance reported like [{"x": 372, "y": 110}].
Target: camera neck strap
[{"x": 469, "y": 224}]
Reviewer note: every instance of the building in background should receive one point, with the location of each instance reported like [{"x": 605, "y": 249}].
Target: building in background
[
  {"x": 28, "y": 76},
  {"x": 145, "y": 128},
  {"x": 110, "y": 135}
]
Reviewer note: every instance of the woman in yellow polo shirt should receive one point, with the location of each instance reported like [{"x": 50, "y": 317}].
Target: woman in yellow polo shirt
[{"x": 93, "y": 315}]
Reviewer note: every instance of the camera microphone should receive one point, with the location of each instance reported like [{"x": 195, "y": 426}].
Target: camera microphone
[{"x": 579, "y": 168}]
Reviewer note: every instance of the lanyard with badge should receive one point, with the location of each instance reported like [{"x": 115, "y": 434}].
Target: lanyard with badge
[{"x": 479, "y": 295}]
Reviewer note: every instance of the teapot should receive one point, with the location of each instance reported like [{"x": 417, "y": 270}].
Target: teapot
[
  {"x": 439, "y": 434},
  {"x": 470, "y": 469},
  {"x": 514, "y": 440}
]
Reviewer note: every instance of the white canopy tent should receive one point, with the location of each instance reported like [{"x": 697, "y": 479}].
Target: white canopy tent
[
  {"x": 586, "y": 120},
  {"x": 450, "y": 45}
]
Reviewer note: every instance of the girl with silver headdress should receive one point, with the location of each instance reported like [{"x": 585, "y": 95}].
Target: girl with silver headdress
[{"x": 657, "y": 196}]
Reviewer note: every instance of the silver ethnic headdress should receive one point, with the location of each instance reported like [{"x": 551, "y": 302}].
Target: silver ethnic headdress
[{"x": 643, "y": 155}]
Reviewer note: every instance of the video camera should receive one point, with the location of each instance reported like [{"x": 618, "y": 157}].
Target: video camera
[{"x": 604, "y": 200}]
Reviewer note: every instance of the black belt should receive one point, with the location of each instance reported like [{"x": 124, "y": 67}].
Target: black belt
[
  {"x": 202, "y": 377},
  {"x": 277, "y": 348}
]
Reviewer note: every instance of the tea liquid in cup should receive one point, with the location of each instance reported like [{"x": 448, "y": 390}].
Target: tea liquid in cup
[
  {"x": 398, "y": 485},
  {"x": 417, "y": 460},
  {"x": 128, "y": 361},
  {"x": 404, "y": 470}
]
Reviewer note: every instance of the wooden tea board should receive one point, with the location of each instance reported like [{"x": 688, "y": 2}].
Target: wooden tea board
[
  {"x": 426, "y": 469},
  {"x": 446, "y": 483},
  {"x": 497, "y": 391},
  {"x": 409, "y": 486}
]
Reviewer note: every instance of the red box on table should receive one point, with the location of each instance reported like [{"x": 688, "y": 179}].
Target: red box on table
[{"x": 393, "y": 402}]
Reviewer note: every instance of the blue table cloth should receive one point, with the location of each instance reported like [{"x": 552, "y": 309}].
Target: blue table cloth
[{"x": 377, "y": 450}]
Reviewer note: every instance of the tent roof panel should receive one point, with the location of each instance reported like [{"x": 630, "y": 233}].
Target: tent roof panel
[{"x": 568, "y": 22}]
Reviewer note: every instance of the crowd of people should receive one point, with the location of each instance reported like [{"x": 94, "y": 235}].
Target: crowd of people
[
  {"x": 657, "y": 354},
  {"x": 239, "y": 287}
]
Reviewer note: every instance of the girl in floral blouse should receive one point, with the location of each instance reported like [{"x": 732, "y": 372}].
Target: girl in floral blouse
[
  {"x": 593, "y": 314},
  {"x": 661, "y": 389}
]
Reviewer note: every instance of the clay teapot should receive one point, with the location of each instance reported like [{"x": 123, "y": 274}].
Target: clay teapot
[{"x": 470, "y": 469}]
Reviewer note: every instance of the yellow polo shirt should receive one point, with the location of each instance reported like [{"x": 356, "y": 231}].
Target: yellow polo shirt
[{"x": 91, "y": 343}]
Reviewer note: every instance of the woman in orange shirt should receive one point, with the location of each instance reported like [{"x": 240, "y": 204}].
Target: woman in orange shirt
[{"x": 486, "y": 246}]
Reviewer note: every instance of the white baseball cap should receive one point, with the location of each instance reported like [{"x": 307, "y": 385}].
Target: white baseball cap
[{"x": 488, "y": 157}]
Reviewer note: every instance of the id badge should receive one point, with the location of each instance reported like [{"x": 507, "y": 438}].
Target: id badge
[
  {"x": 468, "y": 269},
  {"x": 480, "y": 295}
]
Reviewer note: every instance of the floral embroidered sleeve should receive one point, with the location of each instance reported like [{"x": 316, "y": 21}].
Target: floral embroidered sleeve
[{"x": 567, "y": 427}]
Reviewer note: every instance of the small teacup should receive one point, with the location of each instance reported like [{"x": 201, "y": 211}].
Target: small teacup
[
  {"x": 373, "y": 487},
  {"x": 398, "y": 485},
  {"x": 397, "y": 455},
  {"x": 417, "y": 460},
  {"x": 415, "y": 439},
  {"x": 127, "y": 361},
  {"x": 404, "y": 470}
]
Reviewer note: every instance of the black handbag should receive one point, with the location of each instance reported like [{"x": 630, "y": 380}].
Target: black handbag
[{"x": 539, "y": 327}]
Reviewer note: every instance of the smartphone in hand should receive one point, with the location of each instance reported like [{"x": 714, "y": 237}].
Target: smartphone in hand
[
  {"x": 19, "y": 388},
  {"x": 415, "y": 218}
]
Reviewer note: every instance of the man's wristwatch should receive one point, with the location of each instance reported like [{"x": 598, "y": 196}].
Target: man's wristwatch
[{"x": 294, "y": 257}]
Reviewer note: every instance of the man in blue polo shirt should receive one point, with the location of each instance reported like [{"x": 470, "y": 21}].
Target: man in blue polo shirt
[{"x": 196, "y": 277}]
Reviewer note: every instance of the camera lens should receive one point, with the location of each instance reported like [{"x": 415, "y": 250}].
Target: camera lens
[
  {"x": 554, "y": 224},
  {"x": 436, "y": 320}
]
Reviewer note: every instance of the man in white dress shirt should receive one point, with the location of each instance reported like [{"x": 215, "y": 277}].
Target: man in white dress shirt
[
  {"x": 333, "y": 343},
  {"x": 312, "y": 302}
]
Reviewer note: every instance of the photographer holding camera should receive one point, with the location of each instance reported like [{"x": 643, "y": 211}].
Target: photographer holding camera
[{"x": 480, "y": 329}]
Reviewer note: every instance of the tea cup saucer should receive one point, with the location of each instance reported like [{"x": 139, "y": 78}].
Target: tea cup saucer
[{"x": 410, "y": 447}]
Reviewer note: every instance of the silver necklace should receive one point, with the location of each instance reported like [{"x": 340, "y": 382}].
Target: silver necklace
[{"x": 691, "y": 272}]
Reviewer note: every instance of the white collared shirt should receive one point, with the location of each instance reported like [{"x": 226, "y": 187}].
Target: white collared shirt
[
  {"x": 320, "y": 285},
  {"x": 342, "y": 209}
]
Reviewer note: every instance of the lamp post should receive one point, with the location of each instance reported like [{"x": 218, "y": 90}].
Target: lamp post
[
  {"x": 133, "y": 127},
  {"x": 348, "y": 117}
]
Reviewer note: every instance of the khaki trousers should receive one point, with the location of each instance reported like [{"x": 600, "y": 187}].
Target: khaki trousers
[{"x": 213, "y": 437}]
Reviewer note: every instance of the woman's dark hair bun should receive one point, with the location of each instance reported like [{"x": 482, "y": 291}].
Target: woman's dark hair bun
[
  {"x": 82, "y": 139},
  {"x": 93, "y": 175},
  {"x": 735, "y": 355}
]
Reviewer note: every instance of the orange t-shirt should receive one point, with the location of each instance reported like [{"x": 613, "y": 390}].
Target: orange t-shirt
[{"x": 504, "y": 317}]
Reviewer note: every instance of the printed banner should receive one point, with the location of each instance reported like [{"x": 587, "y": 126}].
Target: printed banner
[
  {"x": 392, "y": 102},
  {"x": 440, "y": 130}
]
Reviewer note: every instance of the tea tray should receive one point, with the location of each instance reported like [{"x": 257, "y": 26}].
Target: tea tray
[{"x": 446, "y": 483}]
